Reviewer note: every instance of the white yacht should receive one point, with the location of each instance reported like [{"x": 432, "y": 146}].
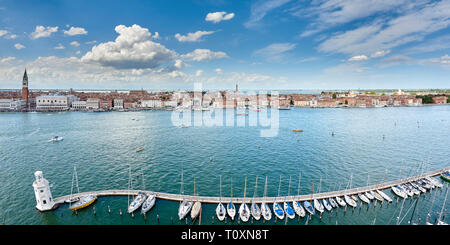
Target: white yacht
[
  {"x": 137, "y": 202},
  {"x": 148, "y": 204}
]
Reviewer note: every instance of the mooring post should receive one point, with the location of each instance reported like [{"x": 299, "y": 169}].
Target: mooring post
[
  {"x": 157, "y": 218},
  {"x": 212, "y": 219},
  {"x": 171, "y": 220},
  {"x": 94, "y": 211},
  {"x": 109, "y": 210}
]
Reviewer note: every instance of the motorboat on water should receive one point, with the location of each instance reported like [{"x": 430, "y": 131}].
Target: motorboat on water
[
  {"x": 265, "y": 211},
  {"x": 196, "y": 208},
  {"x": 384, "y": 195},
  {"x": 278, "y": 210},
  {"x": 446, "y": 176},
  {"x": 221, "y": 212},
  {"x": 333, "y": 202},
  {"x": 231, "y": 210},
  {"x": 139, "y": 149},
  {"x": 363, "y": 198},
  {"x": 148, "y": 203},
  {"x": 298, "y": 209},
  {"x": 319, "y": 207},
  {"x": 309, "y": 208},
  {"x": 288, "y": 210},
  {"x": 399, "y": 191},
  {"x": 326, "y": 204},
  {"x": 137, "y": 202},
  {"x": 56, "y": 139},
  {"x": 185, "y": 207},
  {"x": 244, "y": 212},
  {"x": 83, "y": 202},
  {"x": 349, "y": 201},
  {"x": 340, "y": 201},
  {"x": 256, "y": 211}
]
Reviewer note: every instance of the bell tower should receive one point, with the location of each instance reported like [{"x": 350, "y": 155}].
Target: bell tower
[
  {"x": 44, "y": 200},
  {"x": 25, "y": 88}
]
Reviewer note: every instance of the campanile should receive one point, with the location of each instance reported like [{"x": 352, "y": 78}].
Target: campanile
[{"x": 25, "y": 88}]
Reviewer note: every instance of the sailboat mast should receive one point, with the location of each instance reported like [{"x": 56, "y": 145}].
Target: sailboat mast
[
  {"x": 220, "y": 187},
  {"x": 443, "y": 204},
  {"x": 256, "y": 187},
  {"x": 279, "y": 186},
  {"x": 299, "y": 181},
  {"x": 265, "y": 188},
  {"x": 245, "y": 188},
  {"x": 231, "y": 200}
]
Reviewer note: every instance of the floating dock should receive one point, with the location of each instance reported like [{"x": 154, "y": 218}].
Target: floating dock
[{"x": 210, "y": 199}]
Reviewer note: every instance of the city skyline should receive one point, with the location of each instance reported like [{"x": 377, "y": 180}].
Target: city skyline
[{"x": 266, "y": 44}]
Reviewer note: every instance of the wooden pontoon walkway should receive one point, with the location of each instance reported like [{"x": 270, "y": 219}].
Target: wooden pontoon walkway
[{"x": 209, "y": 199}]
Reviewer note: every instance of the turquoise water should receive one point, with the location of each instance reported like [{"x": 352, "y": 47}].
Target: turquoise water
[{"x": 102, "y": 146}]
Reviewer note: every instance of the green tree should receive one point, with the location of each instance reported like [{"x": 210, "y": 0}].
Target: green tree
[{"x": 334, "y": 95}]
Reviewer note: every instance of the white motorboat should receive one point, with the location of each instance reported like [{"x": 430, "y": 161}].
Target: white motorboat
[
  {"x": 265, "y": 211},
  {"x": 278, "y": 210},
  {"x": 319, "y": 207},
  {"x": 333, "y": 202},
  {"x": 385, "y": 197},
  {"x": 340, "y": 201},
  {"x": 148, "y": 204},
  {"x": 185, "y": 207},
  {"x": 288, "y": 210},
  {"x": 256, "y": 211},
  {"x": 137, "y": 202},
  {"x": 349, "y": 201},
  {"x": 56, "y": 139},
  {"x": 399, "y": 191},
  {"x": 244, "y": 212},
  {"x": 363, "y": 198},
  {"x": 221, "y": 212},
  {"x": 298, "y": 209},
  {"x": 326, "y": 204}
]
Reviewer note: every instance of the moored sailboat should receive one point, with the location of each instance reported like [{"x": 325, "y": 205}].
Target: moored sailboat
[
  {"x": 296, "y": 204},
  {"x": 82, "y": 201},
  {"x": 244, "y": 212},
  {"x": 384, "y": 195},
  {"x": 255, "y": 210},
  {"x": 149, "y": 203},
  {"x": 185, "y": 206},
  {"x": 265, "y": 209},
  {"x": 220, "y": 210},
  {"x": 197, "y": 207},
  {"x": 231, "y": 209},
  {"x": 287, "y": 208},
  {"x": 277, "y": 209}
]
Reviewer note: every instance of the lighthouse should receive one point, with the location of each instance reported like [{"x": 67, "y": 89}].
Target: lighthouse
[{"x": 44, "y": 200}]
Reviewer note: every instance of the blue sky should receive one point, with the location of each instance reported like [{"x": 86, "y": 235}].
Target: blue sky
[{"x": 263, "y": 44}]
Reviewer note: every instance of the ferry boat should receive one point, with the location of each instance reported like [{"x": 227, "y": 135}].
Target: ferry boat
[
  {"x": 298, "y": 209},
  {"x": 399, "y": 191},
  {"x": 56, "y": 139},
  {"x": 137, "y": 202},
  {"x": 83, "y": 202},
  {"x": 384, "y": 195},
  {"x": 309, "y": 208},
  {"x": 279, "y": 212},
  {"x": 446, "y": 176},
  {"x": 265, "y": 211},
  {"x": 288, "y": 210},
  {"x": 148, "y": 203},
  {"x": 340, "y": 201}
]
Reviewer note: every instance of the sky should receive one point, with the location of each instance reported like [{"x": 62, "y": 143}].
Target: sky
[{"x": 259, "y": 45}]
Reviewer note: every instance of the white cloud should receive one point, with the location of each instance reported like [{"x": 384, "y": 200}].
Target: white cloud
[
  {"x": 18, "y": 46},
  {"x": 203, "y": 55},
  {"x": 60, "y": 46},
  {"x": 3, "y": 32},
  {"x": 193, "y": 37},
  {"x": 218, "y": 71},
  {"x": 260, "y": 8},
  {"x": 358, "y": 58},
  {"x": 178, "y": 64},
  {"x": 78, "y": 52},
  {"x": 133, "y": 48},
  {"x": 91, "y": 42},
  {"x": 7, "y": 59},
  {"x": 73, "y": 31},
  {"x": 274, "y": 52},
  {"x": 380, "y": 53},
  {"x": 156, "y": 35},
  {"x": 217, "y": 17},
  {"x": 198, "y": 73},
  {"x": 11, "y": 36},
  {"x": 75, "y": 44},
  {"x": 42, "y": 31}
]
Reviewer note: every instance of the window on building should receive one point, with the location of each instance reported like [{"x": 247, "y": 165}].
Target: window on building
[{"x": 44, "y": 201}]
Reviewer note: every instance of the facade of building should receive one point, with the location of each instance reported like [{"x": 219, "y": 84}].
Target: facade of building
[
  {"x": 80, "y": 105},
  {"x": 52, "y": 103},
  {"x": 151, "y": 104},
  {"x": 118, "y": 103},
  {"x": 92, "y": 104},
  {"x": 440, "y": 100},
  {"x": 12, "y": 105}
]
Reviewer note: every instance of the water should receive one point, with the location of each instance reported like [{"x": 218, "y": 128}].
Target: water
[{"x": 102, "y": 146}]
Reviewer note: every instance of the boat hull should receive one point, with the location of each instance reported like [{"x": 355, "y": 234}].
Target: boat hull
[
  {"x": 265, "y": 211},
  {"x": 221, "y": 212},
  {"x": 256, "y": 211},
  {"x": 83, "y": 202},
  {"x": 231, "y": 210}
]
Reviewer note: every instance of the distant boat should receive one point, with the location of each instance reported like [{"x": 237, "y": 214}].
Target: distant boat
[
  {"x": 148, "y": 204},
  {"x": 56, "y": 139},
  {"x": 139, "y": 149},
  {"x": 297, "y": 130},
  {"x": 284, "y": 107},
  {"x": 241, "y": 114}
]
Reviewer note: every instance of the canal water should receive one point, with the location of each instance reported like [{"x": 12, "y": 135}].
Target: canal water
[{"x": 371, "y": 144}]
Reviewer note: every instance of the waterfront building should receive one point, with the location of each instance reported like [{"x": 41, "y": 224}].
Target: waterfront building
[
  {"x": 52, "y": 103},
  {"x": 118, "y": 103},
  {"x": 106, "y": 104},
  {"x": 440, "y": 100},
  {"x": 151, "y": 103},
  {"x": 80, "y": 105},
  {"x": 12, "y": 105},
  {"x": 25, "y": 92},
  {"x": 93, "y": 103}
]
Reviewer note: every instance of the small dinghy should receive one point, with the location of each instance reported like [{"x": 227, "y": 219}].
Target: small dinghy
[
  {"x": 288, "y": 210},
  {"x": 139, "y": 149},
  {"x": 309, "y": 208},
  {"x": 148, "y": 204},
  {"x": 385, "y": 197},
  {"x": 137, "y": 202},
  {"x": 83, "y": 202},
  {"x": 265, "y": 211},
  {"x": 278, "y": 210},
  {"x": 333, "y": 202},
  {"x": 363, "y": 198},
  {"x": 326, "y": 204},
  {"x": 340, "y": 201},
  {"x": 56, "y": 139},
  {"x": 298, "y": 209},
  {"x": 399, "y": 191}
]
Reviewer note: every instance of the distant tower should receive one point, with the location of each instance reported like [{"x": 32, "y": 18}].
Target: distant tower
[
  {"x": 25, "y": 88},
  {"x": 237, "y": 90},
  {"x": 44, "y": 200}
]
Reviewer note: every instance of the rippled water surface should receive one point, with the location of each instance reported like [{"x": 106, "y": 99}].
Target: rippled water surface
[{"x": 102, "y": 146}]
